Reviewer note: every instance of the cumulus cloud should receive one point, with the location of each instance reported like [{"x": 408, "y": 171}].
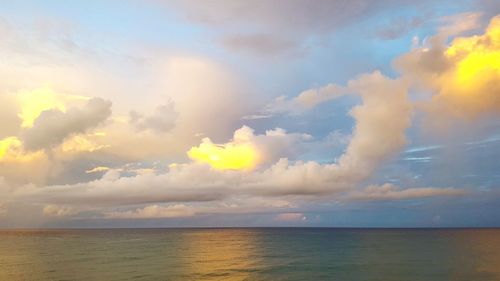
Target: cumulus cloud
[
  {"x": 464, "y": 75},
  {"x": 202, "y": 90},
  {"x": 381, "y": 123},
  {"x": 391, "y": 192},
  {"x": 199, "y": 90},
  {"x": 153, "y": 211},
  {"x": 247, "y": 151},
  {"x": 378, "y": 136},
  {"x": 233, "y": 205},
  {"x": 192, "y": 183},
  {"x": 162, "y": 120},
  {"x": 52, "y": 127}
]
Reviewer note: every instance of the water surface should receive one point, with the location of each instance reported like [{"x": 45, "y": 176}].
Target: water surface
[{"x": 251, "y": 254}]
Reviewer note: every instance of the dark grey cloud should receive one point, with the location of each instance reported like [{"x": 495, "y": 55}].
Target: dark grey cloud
[
  {"x": 489, "y": 8},
  {"x": 278, "y": 25},
  {"x": 53, "y": 126},
  {"x": 398, "y": 28},
  {"x": 282, "y": 15}
]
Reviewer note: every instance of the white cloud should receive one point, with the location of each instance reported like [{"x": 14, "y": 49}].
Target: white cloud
[
  {"x": 305, "y": 100},
  {"x": 391, "y": 192},
  {"x": 153, "y": 211},
  {"x": 57, "y": 211},
  {"x": 98, "y": 169},
  {"x": 290, "y": 217},
  {"x": 381, "y": 123},
  {"x": 207, "y": 98}
]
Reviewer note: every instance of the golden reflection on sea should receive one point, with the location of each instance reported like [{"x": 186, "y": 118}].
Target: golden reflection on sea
[
  {"x": 221, "y": 255},
  {"x": 484, "y": 248}
]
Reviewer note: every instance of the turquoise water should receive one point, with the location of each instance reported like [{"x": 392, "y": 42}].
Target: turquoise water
[{"x": 251, "y": 254}]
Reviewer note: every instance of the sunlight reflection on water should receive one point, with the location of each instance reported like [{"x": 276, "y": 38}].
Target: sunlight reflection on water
[{"x": 250, "y": 254}]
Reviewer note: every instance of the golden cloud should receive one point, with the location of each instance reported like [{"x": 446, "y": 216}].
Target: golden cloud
[
  {"x": 34, "y": 102},
  {"x": 464, "y": 76},
  {"x": 11, "y": 150},
  {"x": 472, "y": 85},
  {"x": 230, "y": 156}
]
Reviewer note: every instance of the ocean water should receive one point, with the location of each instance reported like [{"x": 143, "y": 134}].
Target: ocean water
[{"x": 251, "y": 254}]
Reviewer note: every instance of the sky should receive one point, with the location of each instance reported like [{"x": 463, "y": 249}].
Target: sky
[{"x": 224, "y": 113}]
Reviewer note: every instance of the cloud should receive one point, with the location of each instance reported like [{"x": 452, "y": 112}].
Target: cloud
[
  {"x": 398, "y": 28},
  {"x": 464, "y": 76},
  {"x": 3, "y": 209},
  {"x": 257, "y": 44},
  {"x": 256, "y": 116},
  {"x": 20, "y": 166},
  {"x": 9, "y": 116},
  {"x": 203, "y": 90},
  {"x": 197, "y": 90},
  {"x": 378, "y": 136},
  {"x": 58, "y": 211},
  {"x": 98, "y": 169},
  {"x": 192, "y": 183},
  {"x": 456, "y": 24},
  {"x": 237, "y": 156},
  {"x": 247, "y": 151},
  {"x": 391, "y": 192},
  {"x": 280, "y": 25},
  {"x": 33, "y": 102},
  {"x": 305, "y": 100},
  {"x": 300, "y": 15},
  {"x": 488, "y": 7},
  {"x": 52, "y": 127},
  {"x": 162, "y": 120},
  {"x": 153, "y": 211},
  {"x": 290, "y": 217},
  {"x": 381, "y": 123},
  {"x": 37, "y": 59}
]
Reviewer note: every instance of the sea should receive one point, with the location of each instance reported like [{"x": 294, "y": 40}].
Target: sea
[{"x": 251, "y": 254}]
